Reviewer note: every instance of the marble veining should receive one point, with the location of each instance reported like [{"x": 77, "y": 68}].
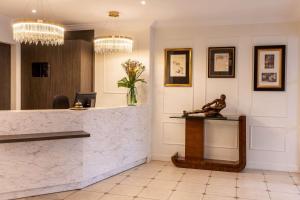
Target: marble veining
[{"x": 119, "y": 140}]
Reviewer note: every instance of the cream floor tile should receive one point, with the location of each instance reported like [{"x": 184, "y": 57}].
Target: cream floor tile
[
  {"x": 163, "y": 181},
  {"x": 100, "y": 187},
  {"x": 191, "y": 187},
  {"x": 127, "y": 190},
  {"x": 284, "y": 196},
  {"x": 252, "y": 194},
  {"x": 144, "y": 173},
  {"x": 215, "y": 197},
  {"x": 251, "y": 176},
  {"x": 169, "y": 176},
  {"x": 136, "y": 181},
  {"x": 155, "y": 165},
  {"x": 221, "y": 190},
  {"x": 54, "y": 196},
  {"x": 114, "y": 179},
  {"x": 222, "y": 181},
  {"x": 155, "y": 193},
  {"x": 150, "y": 168},
  {"x": 279, "y": 179},
  {"x": 173, "y": 170},
  {"x": 198, "y": 171},
  {"x": 282, "y": 187},
  {"x": 115, "y": 197},
  {"x": 252, "y": 171},
  {"x": 177, "y": 195},
  {"x": 268, "y": 172},
  {"x": 296, "y": 179},
  {"x": 227, "y": 175},
  {"x": 84, "y": 195},
  {"x": 128, "y": 172},
  {"x": 252, "y": 184},
  {"x": 159, "y": 163},
  {"x": 199, "y": 179},
  {"x": 294, "y": 173},
  {"x": 163, "y": 184}
]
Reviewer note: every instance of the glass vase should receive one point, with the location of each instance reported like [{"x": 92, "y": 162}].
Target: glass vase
[{"x": 131, "y": 97}]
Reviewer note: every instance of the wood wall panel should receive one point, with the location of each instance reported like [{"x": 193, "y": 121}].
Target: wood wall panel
[
  {"x": 71, "y": 68},
  {"x": 87, "y": 60},
  {"x": 5, "y": 73}
]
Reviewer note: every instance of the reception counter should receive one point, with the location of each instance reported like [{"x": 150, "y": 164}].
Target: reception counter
[{"x": 115, "y": 139}]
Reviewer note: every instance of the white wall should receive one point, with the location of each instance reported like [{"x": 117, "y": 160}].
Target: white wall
[
  {"x": 5, "y": 30},
  {"x": 108, "y": 69},
  {"x": 272, "y": 130},
  {"x": 6, "y": 36}
]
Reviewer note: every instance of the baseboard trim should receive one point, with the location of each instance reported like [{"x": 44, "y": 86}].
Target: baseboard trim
[
  {"x": 250, "y": 165},
  {"x": 111, "y": 173},
  {"x": 272, "y": 166},
  {"x": 161, "y": 158}
]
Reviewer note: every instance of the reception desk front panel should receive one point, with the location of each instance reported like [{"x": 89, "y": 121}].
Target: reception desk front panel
[{"x": 118, "y": 141}]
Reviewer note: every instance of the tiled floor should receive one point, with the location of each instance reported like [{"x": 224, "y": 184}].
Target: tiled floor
[{"x": 162, "y": 181}]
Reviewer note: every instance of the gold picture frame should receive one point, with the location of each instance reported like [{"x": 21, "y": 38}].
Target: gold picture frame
[{"x": 178, "y": 67}]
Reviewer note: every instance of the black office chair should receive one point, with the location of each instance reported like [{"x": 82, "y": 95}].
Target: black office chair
[{"x": 60, "y": 102}]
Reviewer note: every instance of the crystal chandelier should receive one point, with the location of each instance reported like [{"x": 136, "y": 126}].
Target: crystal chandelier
[
  {"x": 114, "y": 43},
  {"x": 38, "y": 31}
]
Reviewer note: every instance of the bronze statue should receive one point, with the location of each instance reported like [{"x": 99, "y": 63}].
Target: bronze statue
[{"x": 211, "y": 109}]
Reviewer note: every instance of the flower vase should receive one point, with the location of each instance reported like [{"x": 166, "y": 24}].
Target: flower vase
[{"x": 131, "y": 97}]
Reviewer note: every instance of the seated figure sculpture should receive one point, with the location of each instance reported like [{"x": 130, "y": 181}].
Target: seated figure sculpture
[{"x": 211, "y": 109}]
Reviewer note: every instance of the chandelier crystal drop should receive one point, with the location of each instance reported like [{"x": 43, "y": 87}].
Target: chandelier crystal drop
[
  {"x": 35, "y": 32},
  {"x": 113, "y": 44}
]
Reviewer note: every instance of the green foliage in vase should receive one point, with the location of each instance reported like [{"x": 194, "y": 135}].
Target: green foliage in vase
[{"x": 134, "y": 70}]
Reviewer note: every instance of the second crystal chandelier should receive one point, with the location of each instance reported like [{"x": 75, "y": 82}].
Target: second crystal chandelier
[{"x": 113, "y": 43}]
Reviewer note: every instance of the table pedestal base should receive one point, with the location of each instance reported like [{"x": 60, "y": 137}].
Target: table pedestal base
[
  {"x": 194, "y": 149},
  {"x": 207, "y": 164}
]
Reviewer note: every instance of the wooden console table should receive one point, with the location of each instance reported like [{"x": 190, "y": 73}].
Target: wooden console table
[{"x": 194, "y": 146}]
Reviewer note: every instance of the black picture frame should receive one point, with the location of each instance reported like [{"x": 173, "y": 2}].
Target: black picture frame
[
  {"x": 183, "y": 78},
  {"x": 226, "y": 61},
  {"x": 273, "y": 70}
]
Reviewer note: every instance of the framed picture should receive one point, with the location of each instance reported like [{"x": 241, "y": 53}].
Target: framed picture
[
  {"x": 269, "y": 68},
  {"x": 178, "y": 67},
  {"x": 221, "y": 62}
]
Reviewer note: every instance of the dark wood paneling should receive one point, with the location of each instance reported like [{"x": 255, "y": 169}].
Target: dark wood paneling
[
  {"x": 87, "y": 35},
  {"x": 86, "y": 72},
  {"x": 5, "y": 72},
  {"x": 67, "y": 64}
]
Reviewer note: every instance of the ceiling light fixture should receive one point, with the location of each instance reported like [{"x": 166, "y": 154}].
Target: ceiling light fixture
[
  {"x": 113, "y": 43},
  {"x": 36, "y": 31},
  {"x": 143, "y": 3}
]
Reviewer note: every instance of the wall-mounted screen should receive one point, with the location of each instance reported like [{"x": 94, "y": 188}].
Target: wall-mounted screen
[{"x": 40, "y": 69}]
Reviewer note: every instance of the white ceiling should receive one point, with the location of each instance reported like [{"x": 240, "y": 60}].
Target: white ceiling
[{"x": 75, "y": 12}]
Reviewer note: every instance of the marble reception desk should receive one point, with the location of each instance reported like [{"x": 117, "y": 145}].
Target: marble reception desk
[{"x": 119, "y": 140}]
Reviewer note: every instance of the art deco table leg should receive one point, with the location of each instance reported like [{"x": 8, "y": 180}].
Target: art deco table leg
[{"x": 194, "y": 144}]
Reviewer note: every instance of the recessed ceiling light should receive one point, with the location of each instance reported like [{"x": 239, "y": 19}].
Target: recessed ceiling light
[
  {"x": 143, "y": 3},
  {"x": 33, "y": 11}
]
